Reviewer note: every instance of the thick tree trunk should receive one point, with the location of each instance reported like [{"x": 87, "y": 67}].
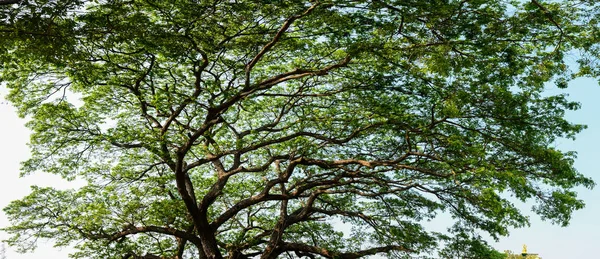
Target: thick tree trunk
[{"x": 207, "y": 235}]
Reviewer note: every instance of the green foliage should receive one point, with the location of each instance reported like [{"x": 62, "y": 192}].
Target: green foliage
[
  {"x": 244, "y": 129},
  {"x": 466, "y": 247}
]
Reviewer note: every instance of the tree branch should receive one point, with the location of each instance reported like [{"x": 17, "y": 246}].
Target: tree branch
[
  {"x": 284, "y": 246},
  {"x": 275, "y": 39}
]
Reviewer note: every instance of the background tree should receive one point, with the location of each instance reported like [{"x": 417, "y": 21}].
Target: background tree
[{"x": 268, "y": 129}]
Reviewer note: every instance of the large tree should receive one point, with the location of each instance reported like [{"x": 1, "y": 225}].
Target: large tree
[{"x": 291, "y": 128}]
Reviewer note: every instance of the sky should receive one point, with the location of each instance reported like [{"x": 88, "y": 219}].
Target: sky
[{"x": 580, "y": 239}]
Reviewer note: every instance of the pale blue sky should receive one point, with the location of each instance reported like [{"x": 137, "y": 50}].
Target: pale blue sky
[{"x": 579, "y": 240}]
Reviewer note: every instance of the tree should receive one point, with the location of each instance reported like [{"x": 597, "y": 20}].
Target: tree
[
  {"x": 466, "y": 247},
  {"x": 269, "y": 129}
]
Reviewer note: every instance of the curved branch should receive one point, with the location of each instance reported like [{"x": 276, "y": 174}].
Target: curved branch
[
  {"x": 297, "y": 247},
  {"x": 280, "y": 140},
  {"x": 155, "y": 229},
  {"x": 261, "y": 197},
  {"x": 275, "y": 39}
]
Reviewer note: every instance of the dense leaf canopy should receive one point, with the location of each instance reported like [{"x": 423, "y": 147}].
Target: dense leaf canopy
[{"x": 289, "y": 128}]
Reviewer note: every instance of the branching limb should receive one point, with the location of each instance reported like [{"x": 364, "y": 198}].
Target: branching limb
[
  {"x": 297, "y": 247},
  {"x": 275, "y": 39}
]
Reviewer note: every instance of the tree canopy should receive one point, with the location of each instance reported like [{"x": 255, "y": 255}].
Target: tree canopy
[{"x": 289, "y": 128}]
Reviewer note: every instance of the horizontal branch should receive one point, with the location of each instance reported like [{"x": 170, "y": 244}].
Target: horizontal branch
[
  {"x": 154, "y": 229},
  {"x": 284, "y": 246}
]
